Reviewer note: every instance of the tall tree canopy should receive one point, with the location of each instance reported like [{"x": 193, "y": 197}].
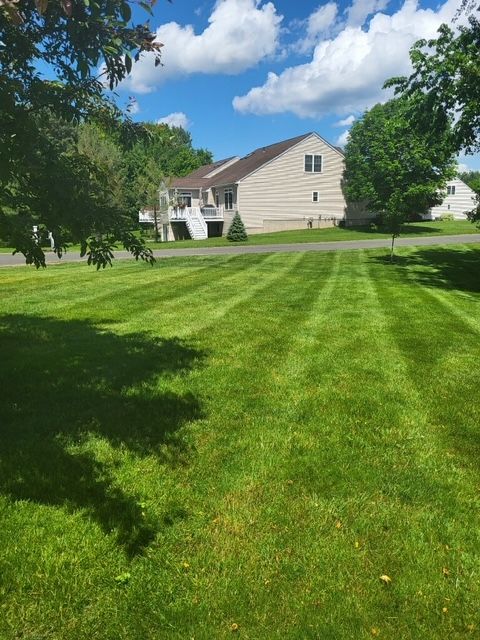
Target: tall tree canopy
[
  {"x": 393, "y": 169},
  {"x": 50, "y": 52},
  {"x": 447, "y": 71}
]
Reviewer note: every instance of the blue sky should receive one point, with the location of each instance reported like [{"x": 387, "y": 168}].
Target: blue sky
[{"x": 239, "y": 74}]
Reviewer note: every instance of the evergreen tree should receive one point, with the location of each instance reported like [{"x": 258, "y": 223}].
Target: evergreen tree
[{"x": 237, "y": 231}]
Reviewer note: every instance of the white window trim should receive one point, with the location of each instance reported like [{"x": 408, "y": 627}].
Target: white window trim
[
  {"x": 313, "y": 156},
  {"x": 225, "y": 191}
]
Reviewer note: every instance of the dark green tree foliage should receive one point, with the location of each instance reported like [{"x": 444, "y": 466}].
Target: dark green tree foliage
[
  {"x": 447, "y": 72},
  {"x": 237, "y": 231},
  {"x": 393, "y": 169},
  {"x": 43, "y": 179},
  {"x": 160, "y": 152}
]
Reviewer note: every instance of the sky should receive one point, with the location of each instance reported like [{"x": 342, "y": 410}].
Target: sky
[{"x": 240, "y": 74}]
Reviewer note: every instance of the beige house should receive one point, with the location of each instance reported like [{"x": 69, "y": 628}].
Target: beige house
[
  {"x": 459, "y": 200},
  {"x": 292, "y": 184}
]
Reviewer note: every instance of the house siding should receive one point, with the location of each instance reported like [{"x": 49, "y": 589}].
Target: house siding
[
  {"x": 458, "y": 204},
  {"x": 281, "y": 190}
]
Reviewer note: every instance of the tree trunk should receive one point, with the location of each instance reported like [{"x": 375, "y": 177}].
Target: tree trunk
[
  {"x": 392, "y": 247},
  {"x": 155, "y": 221}
]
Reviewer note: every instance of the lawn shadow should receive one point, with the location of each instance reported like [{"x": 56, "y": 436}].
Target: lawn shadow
[
  {"x": 440, "y": 267},
  {"x": 407, "y": 229},
  {"x": 66, "y": 382}
]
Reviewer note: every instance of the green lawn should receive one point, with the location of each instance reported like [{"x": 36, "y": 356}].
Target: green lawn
[
  {"x": 242, "y": 440},
  {"x": 319, "y": 235},
  {"x": 331, "y": 234}
]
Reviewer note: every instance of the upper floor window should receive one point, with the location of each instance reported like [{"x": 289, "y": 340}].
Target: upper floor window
[
  {"x": 451, "y": 190},
  {"x": 314, "y": 196},
  {"x": 313, "y": 163},
  {"x": 229, "y": 199}
]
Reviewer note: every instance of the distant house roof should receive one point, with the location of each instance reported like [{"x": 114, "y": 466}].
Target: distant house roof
[
  {"x": 197, "y": 179},
  {"x": 253, "y": 161},
  {"x": 236, "y": 170}
]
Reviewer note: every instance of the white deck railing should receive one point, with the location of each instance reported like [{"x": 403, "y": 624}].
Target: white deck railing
[{"x": 208, "y": 213}]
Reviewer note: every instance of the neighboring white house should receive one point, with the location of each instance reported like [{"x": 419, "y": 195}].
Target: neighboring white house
[
  {"x": 460, "y": 199},
  {"x": 292, "y": 184}
]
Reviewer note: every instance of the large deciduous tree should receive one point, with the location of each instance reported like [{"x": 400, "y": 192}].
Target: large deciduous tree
[
  {"x": 446, "y": 71},
  {"x": 394, "y": 170},
  {"x": 50, "y": 53}
]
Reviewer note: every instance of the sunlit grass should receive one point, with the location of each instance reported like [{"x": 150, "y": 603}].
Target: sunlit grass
[
  {"x": 332, "y": 234},
  {"x": 242, "y": 440}
]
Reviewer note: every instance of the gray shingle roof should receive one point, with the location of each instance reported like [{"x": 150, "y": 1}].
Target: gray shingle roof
[
  {"x": 254, "y": 160},
  {"x": 240, "y": 169}
]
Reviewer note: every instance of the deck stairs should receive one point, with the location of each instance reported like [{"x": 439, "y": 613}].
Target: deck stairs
[{"x": 196, "y": 225}]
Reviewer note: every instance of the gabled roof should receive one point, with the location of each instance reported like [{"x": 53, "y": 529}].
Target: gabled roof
[
  {"x": 253, "y": 161},
  {"x": 196, "y": 179},
  {"x": 236, "y": 170}
]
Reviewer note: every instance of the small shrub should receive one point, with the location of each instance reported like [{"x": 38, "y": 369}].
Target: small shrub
[
  {"x": 237, "y": 232},
  {"x": 447, "y": 217}
]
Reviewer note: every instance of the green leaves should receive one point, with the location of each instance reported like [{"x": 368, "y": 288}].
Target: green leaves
[
  {"x": 447, "y": 70},
  {"x": 126, "y": 11},
  {"x": 394, "y": 168}
]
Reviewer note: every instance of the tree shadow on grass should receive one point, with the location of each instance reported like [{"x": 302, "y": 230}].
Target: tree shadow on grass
[
  {"x": 407, "y": 229},
  {"x": 440, "y": 267},
  {"x": 66, "y": 382}
]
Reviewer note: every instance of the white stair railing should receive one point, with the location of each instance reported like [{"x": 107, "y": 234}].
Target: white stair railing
[{"x": 196, "y": 225}]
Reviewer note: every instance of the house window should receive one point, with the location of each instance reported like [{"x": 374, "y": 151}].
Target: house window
[
  {"x": 163, "y": 200},
  {"x": 229, "y": 199},
  {"x": 185, "y": 198},
  {"x": 314, "y": 196},
  {"x": 313, "y": 163},
  {"x": 451, "y": 190},
  {"x": 217, "y": 200}
]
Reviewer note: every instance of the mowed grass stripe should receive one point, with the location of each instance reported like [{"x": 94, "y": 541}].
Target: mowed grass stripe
[
  {"x": 93, "y": 292},
  {"x": 228, "y": 286},
  {"x": 317, "y": 463},
  {"x": 234, "y": 460}
]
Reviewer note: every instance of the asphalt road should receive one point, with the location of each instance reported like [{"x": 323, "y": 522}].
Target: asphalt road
[{"x": 7, "y": 260}]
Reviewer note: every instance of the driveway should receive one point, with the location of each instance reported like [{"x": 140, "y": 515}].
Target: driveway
[{"x": 7, "y": 260}]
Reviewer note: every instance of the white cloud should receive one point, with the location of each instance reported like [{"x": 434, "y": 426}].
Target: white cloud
[
  {"x": 240, "y": 34},
  {"x": 133, "y": 107},
  {"x": 359, "y": 11},
  {"x": 346, "y": 122},
  {"x": 347, "y": 72},
  {"x": 176, "y": 119},
  {"x": 343, "y": 139},
  {"x": 318, "y": 24}
]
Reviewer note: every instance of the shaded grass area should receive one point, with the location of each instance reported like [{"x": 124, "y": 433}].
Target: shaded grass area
[
  {"x": 242, "y": 440},
  {"x": 333, "y": 234}
]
